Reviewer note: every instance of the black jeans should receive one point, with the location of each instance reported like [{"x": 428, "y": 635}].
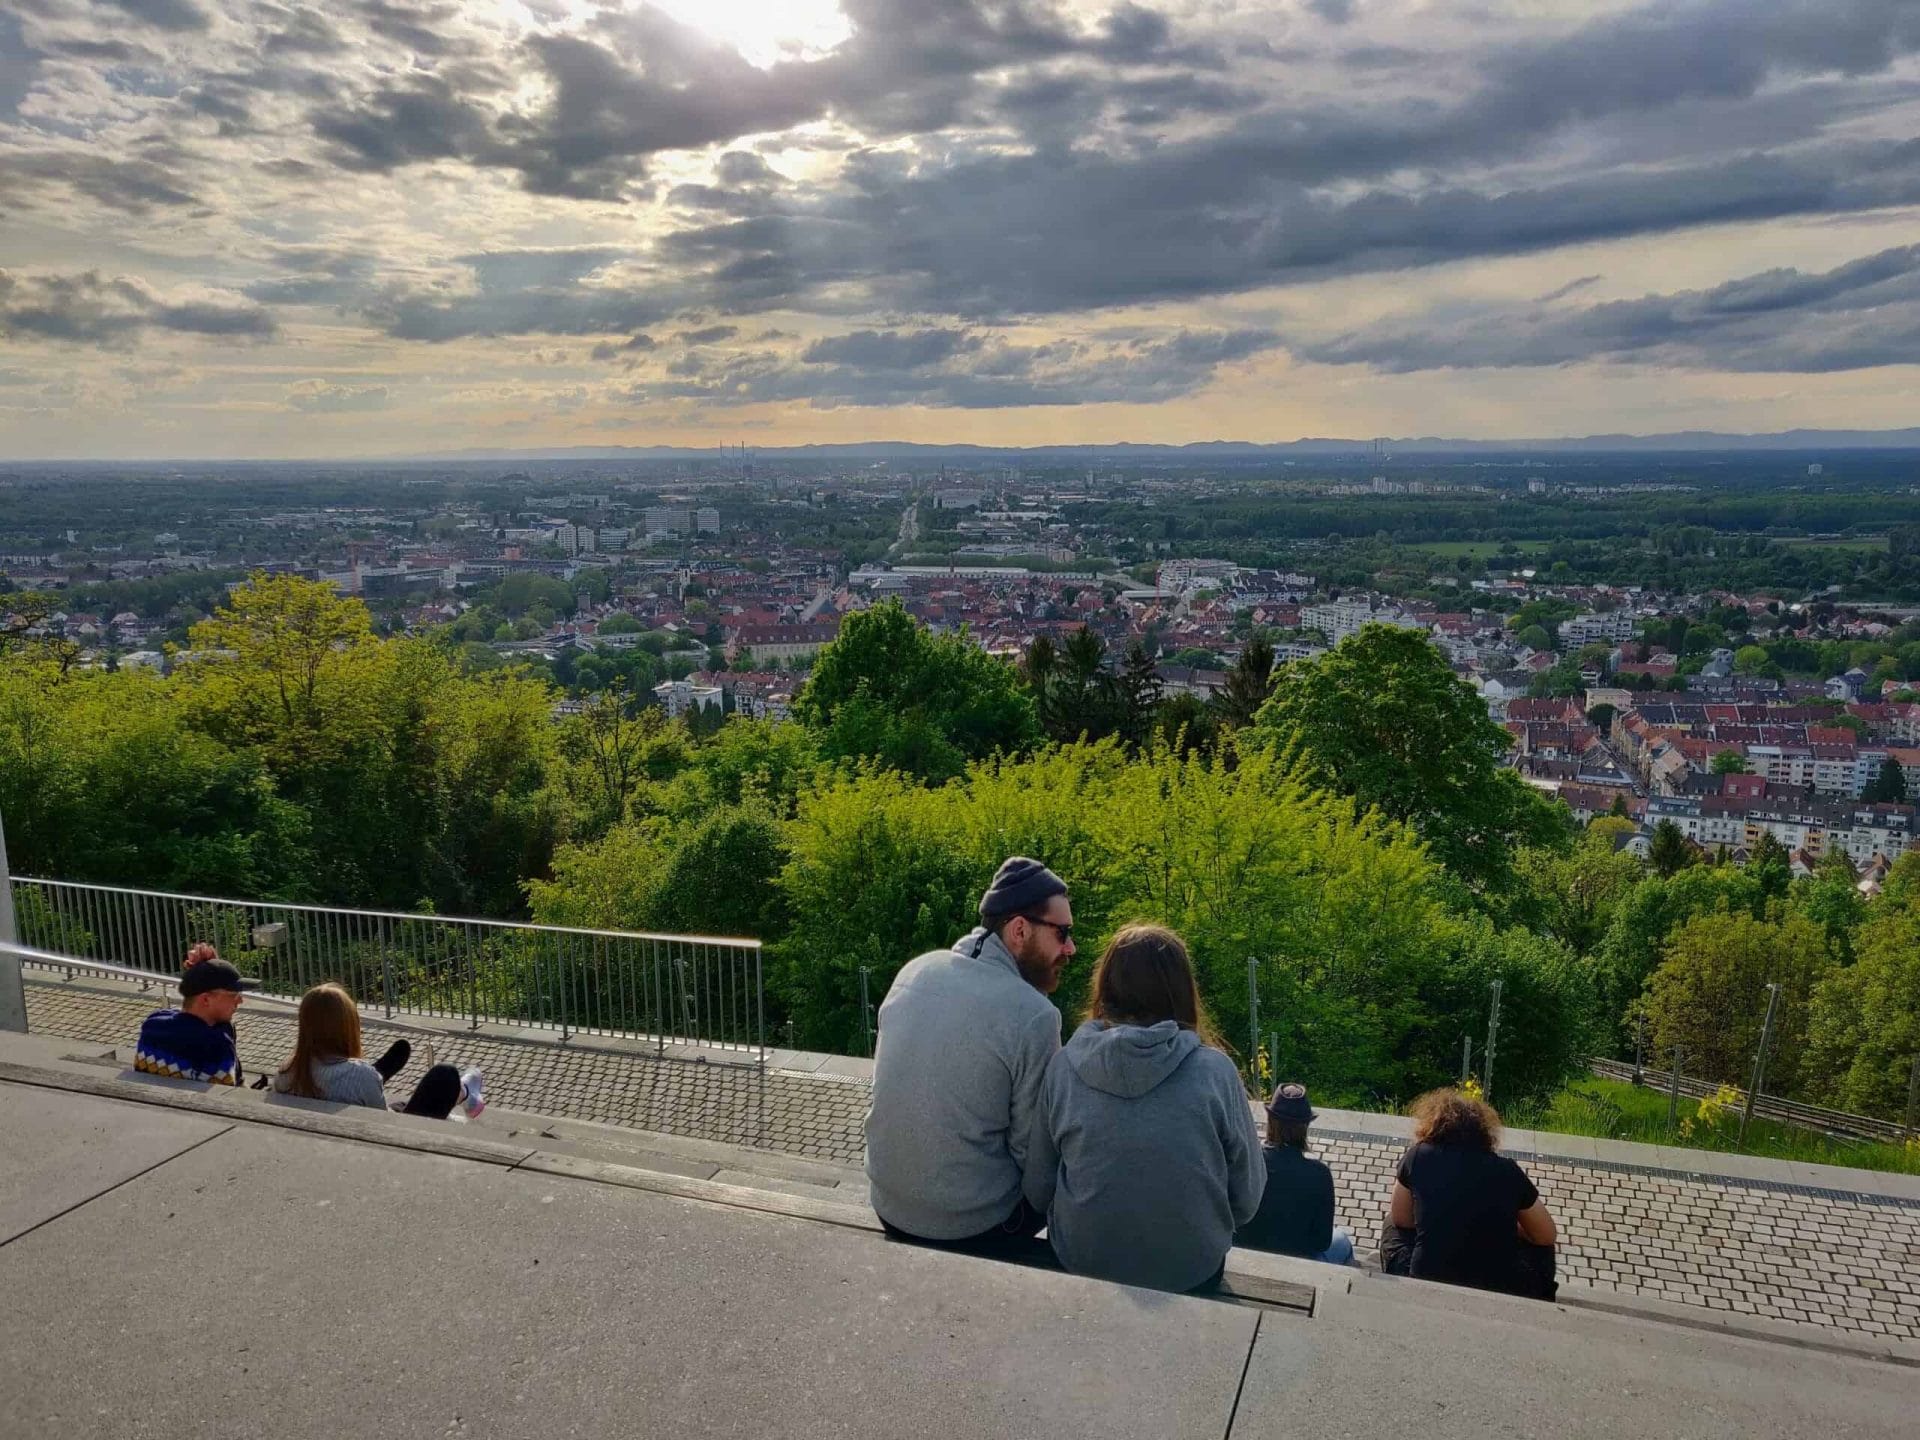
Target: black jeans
[
  {"x": 1013, "y": 1235},
  {"x": 436, "y": 1094},
  {"x": 1533, "y": 1270}
]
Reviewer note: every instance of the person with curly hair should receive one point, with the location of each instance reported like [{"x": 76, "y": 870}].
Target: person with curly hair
[{"x": 1462, "y": 1213}]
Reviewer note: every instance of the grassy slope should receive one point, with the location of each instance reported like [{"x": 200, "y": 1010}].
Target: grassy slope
[{"x": 1615, "y": 1110}]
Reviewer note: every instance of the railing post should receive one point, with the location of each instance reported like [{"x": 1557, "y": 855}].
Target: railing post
[
  {"x": 866, "y": 1010},
  {"x": 1913, "y": 1096},
  {"x": 1673, "y": 1090},
  {"x": 1759, "y": 1062},
  {"x": 13, "y": 991},
  {"x": 1493, "y": 1036},
  {"x": 1253, "y": 1017}
]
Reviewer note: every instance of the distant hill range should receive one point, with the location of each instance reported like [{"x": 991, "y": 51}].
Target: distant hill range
[{"x": 1683, "y": 440}]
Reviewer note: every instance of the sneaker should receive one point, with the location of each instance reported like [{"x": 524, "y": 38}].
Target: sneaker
[{"x": 473, "y": 1097}]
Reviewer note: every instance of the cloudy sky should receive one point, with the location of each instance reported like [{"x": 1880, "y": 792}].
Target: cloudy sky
[{"x": 239, "y": 228}]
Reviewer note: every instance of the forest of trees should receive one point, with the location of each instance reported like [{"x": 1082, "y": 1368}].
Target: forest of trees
[{"x": 1346, "y": 824}]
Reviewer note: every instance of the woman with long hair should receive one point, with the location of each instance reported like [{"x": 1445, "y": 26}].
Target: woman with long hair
[
  {"x": 327, "y": 1064},
  {"x": 1462, "y": 1213},
  {"x": 1143, "y": 1155}
]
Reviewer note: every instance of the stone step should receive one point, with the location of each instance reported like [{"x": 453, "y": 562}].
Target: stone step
[{"x": 678, "y": 1155}]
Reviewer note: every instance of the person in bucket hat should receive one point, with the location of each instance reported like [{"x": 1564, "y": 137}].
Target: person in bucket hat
[{"x": 1296, "y": 1212}]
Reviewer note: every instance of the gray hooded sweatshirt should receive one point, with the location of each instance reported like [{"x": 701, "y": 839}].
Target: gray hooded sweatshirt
[
  {"x": 346, "y": 1082},
  {"x": 964, "y": 1041},
  {"x": 1144, "y": 1155}
]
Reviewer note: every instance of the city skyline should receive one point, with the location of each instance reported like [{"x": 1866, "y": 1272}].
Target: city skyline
[{"x": 373, "y": 228}]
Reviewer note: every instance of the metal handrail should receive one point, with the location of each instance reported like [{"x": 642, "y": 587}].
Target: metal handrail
[
  {"x": 47, "y": 959},
  {"x": 661, "y": 989},
  {"x": 735, "y": 942}
]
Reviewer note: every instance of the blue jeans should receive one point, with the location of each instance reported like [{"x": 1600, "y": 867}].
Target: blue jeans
[{"x": 1340, "y": 1252}]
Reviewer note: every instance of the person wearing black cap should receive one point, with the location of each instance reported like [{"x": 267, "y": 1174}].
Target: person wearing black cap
[
  {"x": 1296, "y": 1212},
  {"x": 196, "y": 1041},
  {"x": 965, "y": 1037}
]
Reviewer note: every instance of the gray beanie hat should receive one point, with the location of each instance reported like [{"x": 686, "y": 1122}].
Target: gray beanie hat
[{"x": 1020, "y": 884}]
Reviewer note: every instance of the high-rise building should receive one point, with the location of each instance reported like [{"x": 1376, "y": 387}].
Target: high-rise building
[
  {"x": 669, "y": 520},
  {"x": 706, "y": 520}
]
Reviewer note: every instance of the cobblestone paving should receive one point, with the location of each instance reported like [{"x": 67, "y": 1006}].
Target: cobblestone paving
[
  {"x": 1846, "y": 1265},
  {"x": 799, "y": 1115}
]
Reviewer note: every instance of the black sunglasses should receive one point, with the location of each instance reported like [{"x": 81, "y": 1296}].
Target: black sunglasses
[{"x": 1065, "y": 932}]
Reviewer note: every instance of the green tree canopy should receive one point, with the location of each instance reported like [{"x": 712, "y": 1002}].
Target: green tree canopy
[
  {"x": 1888, "y": 786},
  {"x": 1709, "y": 996},
  {"x": 1670, "y": 850},
  {"x": 1380, "y": 717},
  {"x": 1249, "y": 684},
  {"x": 888, "y": 690},
  {"x": 1864, "y": 1029}
]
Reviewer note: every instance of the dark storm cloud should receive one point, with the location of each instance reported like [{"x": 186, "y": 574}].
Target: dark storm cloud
[
  {"x": 316, "y": 275},
  {"x": 418, "y": 120},
  {"x": 172, "y": 15},
  {"x": 981, "y": 162},
  {"x": 319, "y": 397},
  {"x": 625, "y": 350},
  {"x": 892, "y": 349},
  {"x": 957, "y": 370},
  {"x": 639, "y": 83},
  {"x": 1864, "y": 313},
  {"x": 131, "y": 185},
  {"x": 93, "y": 309},
  {"x": 524, "y": 292},
  {"x": 1056, "y": 232},
  {"x": 19, "y": 64}
]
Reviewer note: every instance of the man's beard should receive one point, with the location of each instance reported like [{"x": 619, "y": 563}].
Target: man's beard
[{"x": 1035, "y": 968}]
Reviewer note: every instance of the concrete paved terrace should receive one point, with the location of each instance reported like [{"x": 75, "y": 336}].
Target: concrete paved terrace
[
  {"x": 1837, "y": 1250},
  {"x": 319, "y": 1271}
]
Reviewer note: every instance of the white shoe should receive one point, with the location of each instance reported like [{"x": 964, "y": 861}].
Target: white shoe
[{"x": 473, "y": 1097}]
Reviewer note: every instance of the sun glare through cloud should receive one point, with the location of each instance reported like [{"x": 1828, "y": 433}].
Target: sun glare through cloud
[
  {"x": 541, "y": 219},
  {"x": 766, "y": 31}
]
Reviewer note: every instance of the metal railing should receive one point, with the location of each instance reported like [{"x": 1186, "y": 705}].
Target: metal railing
[
  {"x": 678, "y": 990},
  {"x": 1836, "y": 1123}
]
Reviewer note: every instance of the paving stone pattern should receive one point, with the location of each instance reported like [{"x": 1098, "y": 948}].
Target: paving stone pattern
[
  {"x": 1846, "y": 1265},
  {"x": 796, "y": 1114}
]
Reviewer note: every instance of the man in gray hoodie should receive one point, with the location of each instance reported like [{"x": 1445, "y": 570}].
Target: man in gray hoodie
[{"x": 965, "y": 1037}]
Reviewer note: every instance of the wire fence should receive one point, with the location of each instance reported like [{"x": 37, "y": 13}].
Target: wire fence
[
  {"x": 1837, "y": 1123},
  {"x": 669, "y": 990}
]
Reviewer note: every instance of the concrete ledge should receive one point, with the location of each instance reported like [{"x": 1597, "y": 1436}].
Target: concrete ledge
[
  {"x": 1751, "y": 1327},
  {"x": 313, "y": 1117},
  {"x": 1375, "y": 1284},
  {"x": 594, "y": 1140}
]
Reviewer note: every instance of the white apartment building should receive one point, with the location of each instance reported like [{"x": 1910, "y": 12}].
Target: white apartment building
[
  {"x": 1611, "y": 628},
  {"x": 706, "y": 520},
  {"x": 682, "y": 697},
  {"x": 668, "y": 520},
  {"x": 1337, "y": 619}
]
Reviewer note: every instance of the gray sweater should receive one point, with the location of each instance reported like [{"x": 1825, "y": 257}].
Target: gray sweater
[
  {"x": 963, "y": 1044},
  {"x": 347, "y": 1082},
  {"x": 1144, "y": 1155}
]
